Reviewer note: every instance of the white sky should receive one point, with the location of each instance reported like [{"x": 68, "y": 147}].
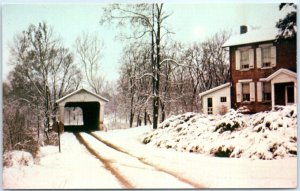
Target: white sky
[{"x": 191, "y": 22}]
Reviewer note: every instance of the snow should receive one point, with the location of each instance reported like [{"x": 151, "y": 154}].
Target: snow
[
  {"x": 18, "y": 158},
  {"x": 133, "y": 169},
  {"x": 74, "y": 168},
  {"x": 211, "y": 172},
  {"x": 265, "y": 135},
  {"x": 73, "y": 116},
  {"x": 251, "y": 140},
  {"x": 260, "y": 35}
]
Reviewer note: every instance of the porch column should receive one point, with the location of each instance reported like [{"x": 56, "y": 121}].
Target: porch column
[
  {"x": 100, "y": 127},
  {"x": 295, "y": 91},
  {"x": 273, "y": 94}
]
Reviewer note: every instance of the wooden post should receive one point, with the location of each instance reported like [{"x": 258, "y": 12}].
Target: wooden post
[
  {"x": 58, "y": 132},
  {"x": 57, "y": 128}
]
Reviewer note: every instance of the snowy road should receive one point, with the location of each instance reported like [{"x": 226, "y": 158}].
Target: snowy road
[
  {"x": 131, "y": 171},
  {"x": 127, "y": 163}
]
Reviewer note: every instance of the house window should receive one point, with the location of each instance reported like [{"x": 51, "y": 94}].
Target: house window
[
  {"x": 223, "y": 99},
  {"x": 245, "y": 92},
  {"x": 266, "y": 56},
  {"x": 266, "y": 91},
  {"x": 245, "y": 59}
]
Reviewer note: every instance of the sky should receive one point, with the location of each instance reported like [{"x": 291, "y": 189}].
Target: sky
[{"x": 192, "y": 22}]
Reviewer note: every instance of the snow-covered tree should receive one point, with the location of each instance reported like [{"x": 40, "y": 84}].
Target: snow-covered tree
[
  {"x": 44, "y": 71},
  {"x": 288, "y": 25}
]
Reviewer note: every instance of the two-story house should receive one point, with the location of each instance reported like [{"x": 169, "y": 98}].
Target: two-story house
[{"x": 263, "y": 71}]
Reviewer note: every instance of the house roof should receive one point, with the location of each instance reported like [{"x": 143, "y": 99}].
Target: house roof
[
  {"x": 260, "y": 35},
  {"x": 80, "y": 90},
  {"x": 214, "y": 89},
  {"x": 281, "y": 71}
]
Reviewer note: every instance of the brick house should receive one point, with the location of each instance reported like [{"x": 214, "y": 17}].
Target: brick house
[{"x": 263, "y": 72}]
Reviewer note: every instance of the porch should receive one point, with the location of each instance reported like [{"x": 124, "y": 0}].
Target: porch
[{"x": 283, "y": 87}]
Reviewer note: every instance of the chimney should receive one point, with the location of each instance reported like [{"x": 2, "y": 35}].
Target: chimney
[{"x": 243, "y": 29}]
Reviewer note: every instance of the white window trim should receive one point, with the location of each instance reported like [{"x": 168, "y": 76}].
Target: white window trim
[
  {"x": 273, "y": 56},
  {"x": 260, "y": 66},
  {"x": 263, "y": 80},
  {"x": 246, "y": 69},
  {"x": 245, "y": 80},
  {"x": 264, "y": 68},
  {"x": 265, "y": 45},
  {"x": 244, "y": 48},
  {"x": 251, "y": 58},
  {"x": 259, "y": 91},
  {"x": 252, "y": 93}
]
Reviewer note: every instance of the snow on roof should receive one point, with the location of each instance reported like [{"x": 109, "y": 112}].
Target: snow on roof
[
  {"x": 82, "y": 89},
  {"x": 214, "y": 89},
  {"x": 260, "y": 35}
]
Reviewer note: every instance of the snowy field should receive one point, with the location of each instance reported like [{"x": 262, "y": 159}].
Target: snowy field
[{"x": 252, "y": 159}]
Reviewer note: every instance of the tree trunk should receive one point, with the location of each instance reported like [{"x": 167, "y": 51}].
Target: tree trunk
[
  {"x": 154, "y": 66},
  {"x": 163, "y": 112},
  {"x": 149, "y": 119},
  {"x": 131, "y": 118},
  {"x": 138, "y": 119},
  {"x": 157, "y": 71},
  {"x": 38, "y": 128},
  {"x": 145, "y": 117}
]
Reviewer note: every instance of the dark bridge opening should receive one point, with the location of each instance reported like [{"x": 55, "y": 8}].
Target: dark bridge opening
[{"x": 90, "y": 116}]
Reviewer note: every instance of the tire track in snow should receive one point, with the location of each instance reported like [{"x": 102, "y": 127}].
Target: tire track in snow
[
  {"x": 106, "y": 162},
  {"x": 143, "y": 160}
]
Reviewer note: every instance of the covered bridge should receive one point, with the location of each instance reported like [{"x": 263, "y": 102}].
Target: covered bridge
[{"x": 81, "y": 110}]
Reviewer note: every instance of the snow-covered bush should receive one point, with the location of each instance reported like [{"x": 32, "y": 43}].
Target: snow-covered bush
[
  {"x": 265, "y": 135},
  {"x": 17, "y": 158}
]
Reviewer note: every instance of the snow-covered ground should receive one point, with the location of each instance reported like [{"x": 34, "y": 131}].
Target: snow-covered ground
[
  {"x": 265, "y": 135},
  {"x": 75, "y": 167},
  {"x": 211, "y": 172}
]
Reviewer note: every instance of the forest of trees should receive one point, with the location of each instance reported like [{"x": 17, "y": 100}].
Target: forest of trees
[{"x": 159, "y": 76}]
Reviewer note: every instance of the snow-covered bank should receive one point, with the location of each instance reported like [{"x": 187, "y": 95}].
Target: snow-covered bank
[
  {"x": 74, "y": 168},
  {"x": 265, "y": 135},
  {"x": 211, "y": 172}
]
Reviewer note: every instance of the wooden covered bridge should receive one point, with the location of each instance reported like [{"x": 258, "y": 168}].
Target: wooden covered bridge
[{"x": 81, "y": 110}]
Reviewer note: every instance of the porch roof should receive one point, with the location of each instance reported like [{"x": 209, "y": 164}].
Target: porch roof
[{"x": 281, "y": 71}]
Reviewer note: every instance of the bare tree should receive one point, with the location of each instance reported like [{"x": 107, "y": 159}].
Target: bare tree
[
  {"x": 135, "y": 81},
  {"x": 148, "y": 22},
  {"x": 44, "y": 70},
  {"x": 90, "y": 51}
]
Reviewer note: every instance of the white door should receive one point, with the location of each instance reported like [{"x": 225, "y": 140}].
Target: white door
[{"x": 209, "y": 106}]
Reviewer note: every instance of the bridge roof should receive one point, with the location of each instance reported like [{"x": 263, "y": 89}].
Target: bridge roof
[{"x": 74, "y": 96}]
